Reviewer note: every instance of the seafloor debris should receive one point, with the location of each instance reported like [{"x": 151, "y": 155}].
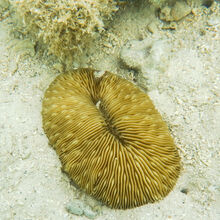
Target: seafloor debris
[
  {"x": 78, "y": 207},
  {"x": 23, "y": 47},
  {"x": 148, "y": 57},
  {"x": 143, "y": 55},
  {"x": 180, "y": 10}
]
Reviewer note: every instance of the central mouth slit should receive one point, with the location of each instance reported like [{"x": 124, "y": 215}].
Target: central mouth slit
[
  {"x": 109, "y": 124},
  {"x": 98, "y": 104}
]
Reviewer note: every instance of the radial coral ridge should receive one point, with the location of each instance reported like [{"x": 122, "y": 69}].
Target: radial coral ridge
[{"x": 111, "y": 140}]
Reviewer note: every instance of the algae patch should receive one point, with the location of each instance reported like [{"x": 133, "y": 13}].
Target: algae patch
[{"x": 67, "y": 26}]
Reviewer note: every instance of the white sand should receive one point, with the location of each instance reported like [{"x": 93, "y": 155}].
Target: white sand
[{"x": 186, "y": 92}]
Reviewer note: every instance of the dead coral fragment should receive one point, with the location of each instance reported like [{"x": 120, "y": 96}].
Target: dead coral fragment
[
  {"x": 110, "y": 138},
  {"x": 180, "y": 10},
  {"x": 65, "y": 26}
]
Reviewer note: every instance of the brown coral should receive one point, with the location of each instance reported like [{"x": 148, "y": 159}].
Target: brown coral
[{"x": 110, "y": 138}]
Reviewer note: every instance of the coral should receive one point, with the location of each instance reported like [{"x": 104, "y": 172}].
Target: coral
[
  {"x": 65, "y": 26},
  {"x": 111, "y": 140}
]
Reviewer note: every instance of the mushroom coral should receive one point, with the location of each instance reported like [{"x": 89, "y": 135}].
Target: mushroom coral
[{"x": 111, "y": 140}]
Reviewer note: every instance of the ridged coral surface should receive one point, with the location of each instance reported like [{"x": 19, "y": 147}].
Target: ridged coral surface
[{"x": 111, "y": 140}]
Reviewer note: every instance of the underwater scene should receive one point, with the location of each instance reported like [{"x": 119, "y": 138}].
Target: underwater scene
[{"x": 109, "y": 109}]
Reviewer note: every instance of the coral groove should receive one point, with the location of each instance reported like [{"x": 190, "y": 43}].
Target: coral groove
[{"x": 111, "y": 140}]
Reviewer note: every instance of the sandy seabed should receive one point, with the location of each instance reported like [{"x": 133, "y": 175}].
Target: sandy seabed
[{"x": 185, "y": 91}]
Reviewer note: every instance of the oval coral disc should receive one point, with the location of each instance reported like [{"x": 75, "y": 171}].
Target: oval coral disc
[{"x": 111, "y": 140}]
